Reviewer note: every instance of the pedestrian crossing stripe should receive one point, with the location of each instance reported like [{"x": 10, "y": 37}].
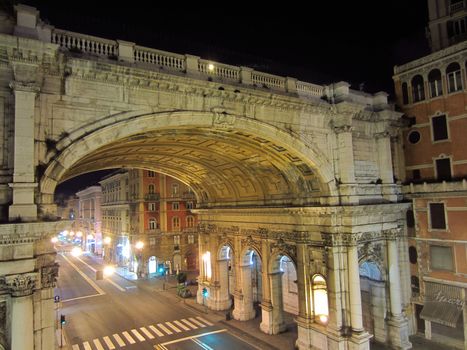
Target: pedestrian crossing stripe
[{"x": 120, "y": 340}]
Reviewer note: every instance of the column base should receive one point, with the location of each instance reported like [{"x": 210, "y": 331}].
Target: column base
[
  {"x": 399, "y": 333},
  {"x": 309, "y": 336},
  {"x": 271, "y": 320},
  {"x": 220, "y": 305},
  {"x": 242, "y": 312},
  {"x": 359, "y": 341},
  {"x": 22, "y": 212}
]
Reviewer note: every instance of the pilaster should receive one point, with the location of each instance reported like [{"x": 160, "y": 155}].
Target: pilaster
[{"x": 272, "y": 312}]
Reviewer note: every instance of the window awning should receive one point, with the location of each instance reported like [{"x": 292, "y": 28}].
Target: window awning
[{"x": 443, "y": 304}]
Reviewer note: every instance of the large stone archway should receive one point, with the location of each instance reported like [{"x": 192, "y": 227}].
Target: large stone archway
[{"x": 278, "y": 166}]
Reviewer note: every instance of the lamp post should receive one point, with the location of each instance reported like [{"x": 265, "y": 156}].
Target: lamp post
[{"x": 139, "y": 249}]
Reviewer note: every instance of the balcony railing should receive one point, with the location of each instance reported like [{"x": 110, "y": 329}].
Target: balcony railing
[
  {"x": 152, "y": 196},
  {"x": 457, "y": 6}
]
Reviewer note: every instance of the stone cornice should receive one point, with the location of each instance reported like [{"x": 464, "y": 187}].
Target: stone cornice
[
  {"x": 24, "y": 233},
  {"x": 25, "y": 86}
]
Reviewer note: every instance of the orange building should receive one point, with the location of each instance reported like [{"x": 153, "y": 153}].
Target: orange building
[{"x": 431, "y": 91}]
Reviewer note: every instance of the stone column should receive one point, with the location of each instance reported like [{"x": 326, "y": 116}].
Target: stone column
[
  {"x": 220, "y": 298},
  {"x": 22, "y": 315},
  {"x": 354, "y": 290},
  {"x": 386, "y": 174},
  {"x": 305, "y": 308},
  {"x": 23, "y": 184},
  {"x": 243, "y": 295},
  {"x": 346, "y": 164},
  {"x": 272, "y": 313},
  {"x": 398, "y": 324}
]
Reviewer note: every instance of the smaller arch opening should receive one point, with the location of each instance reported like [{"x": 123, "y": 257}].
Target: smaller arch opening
[
  {"x": 320, "y": 299},
  {"x": 434, "y": 79},
  {"x": 418, "y": 89},
  {"x": 454, "y": 77}
]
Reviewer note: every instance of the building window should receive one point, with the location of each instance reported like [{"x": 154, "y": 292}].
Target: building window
[
  {"x": 189, "y": 205},
  {"x": 151, "y": 189},
  {"x": 176, "y": 223},
  {"x": 418, "y": 91},
  {"x": 441, "y": 258},
  {"x": 409, "y": 215},
  {"x": 456, "y": 28},
  {"x": 152, "y": 206},
  {"x": 152, "y": 241},
  {"x": 151, "y": 173},
  {"x": 175, "y": 206},
  {"x": 416, "y": 174},
  {"x": 440, "y": 128},
  {"x": 434, "y": 78},
  {"x": 177, "y": 240},
  {"x": 414, "y": 137},
  {"x": 412, "y": 255},
  {"x": 174, "y": 190},
  {"x": 152, "y": 224},
  {"x": 191, "y": 239},
  {"x": 405, "y": 94},
  {"x": 415, "y": 284},
  {"x": 190, "y": 221},
  {"x": 443, "y": 169},
  {"x": 437, "y": 216},
  {"x": 453, "y": 73}
]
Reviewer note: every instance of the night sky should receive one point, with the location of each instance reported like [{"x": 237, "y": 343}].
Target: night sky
[{"x": 323, "y": 42}]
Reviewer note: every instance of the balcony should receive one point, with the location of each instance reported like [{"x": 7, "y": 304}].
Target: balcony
[
  {"x": 152, "y": 197},
  {"x": 188, "y": 195},
  {"x": 456, "y": 6}
]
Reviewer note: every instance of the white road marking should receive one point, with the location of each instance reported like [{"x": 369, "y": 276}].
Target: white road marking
[
  {"x": 173, "y": 327},
  {"x": 182, "y": 325},
  {"x": 106, "y": 279},
  {"x": 98, "y": 344},
  {"x": 194, "y": 320},
  {"x": 119, "y": 340},
  {"x": 87, "y": 346},
  {"x": 155, "y": 330},
  {"x": 128, "y": 337},
  {"x": 193, "y": 336},
  {"x": 138, "y": 335},
  {"x": 75, "y": 347},
  {"x": 85, "y": 297},
  {"x": 87, "y": 279},
  {"x": 109, "y": 343},
  {"x": 147, "y": 333},
  {"x": 189, "y": 323},
  {"x": 203, "y": 345},
  {"x": 164, "y": 328},
  {"x": 204, "y": 321},
  {"x": 92, "y": 268}
]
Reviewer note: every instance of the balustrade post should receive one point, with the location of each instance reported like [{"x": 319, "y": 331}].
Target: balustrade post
[
  {"x": 291, "y": 85},
  {"x": 191, "y": 63},
  {"x": 126, "y": 51},
  {"x": 245, "y": 75}
]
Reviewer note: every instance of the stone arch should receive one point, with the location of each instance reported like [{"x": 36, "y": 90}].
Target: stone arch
[
  {"x": 223, "y": 250},
  {"x": 371, "y": 270},
  {"x": 246, "y": 253},
  {"x": 276, "y": 257},
  {"x": 95, "y": 137}
]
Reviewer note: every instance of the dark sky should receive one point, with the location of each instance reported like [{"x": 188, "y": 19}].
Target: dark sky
[{"x": 322, "y": 42}]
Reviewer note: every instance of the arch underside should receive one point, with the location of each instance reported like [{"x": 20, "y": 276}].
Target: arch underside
[{"x": 224, "y": 167}]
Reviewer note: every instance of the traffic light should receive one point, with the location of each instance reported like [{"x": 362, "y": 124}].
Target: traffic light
[
  {"x": 62, "y": 320},
  {"x": 205, "y": 292}
]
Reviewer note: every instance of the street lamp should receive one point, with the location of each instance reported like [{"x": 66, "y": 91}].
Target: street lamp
[{"x": 139, "y": 247}]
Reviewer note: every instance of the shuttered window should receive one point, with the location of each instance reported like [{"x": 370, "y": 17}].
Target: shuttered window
[{"x": 437, "y": 216}]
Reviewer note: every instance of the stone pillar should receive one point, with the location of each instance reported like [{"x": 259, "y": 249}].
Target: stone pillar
[
  {"x": 126, "y": 51},
  {"x": 346, "y": 164},
  {"x": 354, "y": 290},
  {"x": 220, "y": 299},
  {"x": 243, "y": 295},
  {"x": 23, "y": 184},
  {"x": 191, "y": 63},
  {"x": 272, "y": 312},
  {"x": 22, "y": 315},
  {"x": 398, "y": 324},
  {"x": 305, "y": 313}
]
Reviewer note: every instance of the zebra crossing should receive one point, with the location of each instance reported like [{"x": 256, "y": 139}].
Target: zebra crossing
[{"x": 149, "y": 332}]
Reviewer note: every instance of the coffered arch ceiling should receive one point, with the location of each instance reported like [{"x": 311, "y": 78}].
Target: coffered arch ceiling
[{"x": 224, "y": 167}]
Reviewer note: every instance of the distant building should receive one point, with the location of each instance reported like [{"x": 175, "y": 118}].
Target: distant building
[
  {"x": 89, "y": 220},
  {"x": 148, "y": 207},
  {"x": 432, "y": 93},
  {"x": 68, "y": 208}
]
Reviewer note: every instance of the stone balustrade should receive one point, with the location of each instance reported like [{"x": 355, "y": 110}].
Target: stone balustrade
[{"x": 84, "y": 43}]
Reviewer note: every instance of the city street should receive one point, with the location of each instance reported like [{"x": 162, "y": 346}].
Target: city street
[{"x": 115, "y": 313}]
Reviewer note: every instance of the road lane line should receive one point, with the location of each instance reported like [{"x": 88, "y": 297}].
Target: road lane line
[
  {"x": 155, "y": 330},
  {"x": 192, "y": 337},
  {"x": 75, "y": 347},
  {"x": 173, "y": 327},
  {"x": 203, "y": 345},
  {"x": 86, "y": 278},
  {"x": 204, "y": 321},
  {"x": 85, "y": 297},
  {"x": 128, "y": 337},
  {"x": 189, "y": 323},
  {"x": 138, "y": 335},
  {"x": 119, "y": 340},
  {"x": 178, "y": 323},
  {"x": 98, "y": 344},
  {"x": 194, "y": 320},
  {"x": 109, "y": 343},
  {"x": 147, "y": 333},
  {"x": 92, "y": 268},
  {"x": 164, "y": 328},
  {"x": 87, "y": 346}
]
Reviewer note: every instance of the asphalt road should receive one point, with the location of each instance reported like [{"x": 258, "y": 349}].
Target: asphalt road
[{"x": 115, "y": 313}]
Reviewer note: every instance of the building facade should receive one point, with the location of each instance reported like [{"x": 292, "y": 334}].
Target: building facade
[
  {"x": 432, "y": 93},
  {"x": 90, "y": 218},
  {"x": 152, "y": 208}
]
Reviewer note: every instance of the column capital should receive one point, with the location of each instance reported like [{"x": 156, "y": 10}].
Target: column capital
[
  {"x": 343, "y": 128},
  {"x": 21, "y": 285},
  {"x": 24, "y": 86},
  {"x": 49, "y": 275}
]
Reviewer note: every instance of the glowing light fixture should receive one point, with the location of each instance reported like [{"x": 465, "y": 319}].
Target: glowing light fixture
[
  {"x": 54, "y": 240},
  {"x": 207, "y": 264},
  {"x": 109, "y": 270},
  {"x": 79, "y": 234},
  {"x": 76, "y": 251},
  {"x": 90, "y": 237},
  {"x": 320, "y": 298},
  {"x": 139, "y": 245},
  {"x": 107, "y": 240},
  {"x": 210, "y": 67},
  {"x": 65, "y": 233}
]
